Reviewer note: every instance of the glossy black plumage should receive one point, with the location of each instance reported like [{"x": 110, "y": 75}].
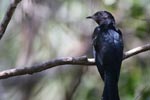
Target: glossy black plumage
[{"x": 108, "y": 52}]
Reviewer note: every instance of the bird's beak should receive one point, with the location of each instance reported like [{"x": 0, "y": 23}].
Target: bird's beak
[{"x": 89, "y": 17}]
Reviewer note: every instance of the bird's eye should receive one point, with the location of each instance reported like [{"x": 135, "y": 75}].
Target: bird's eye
[{"x": 97, "y": 14}]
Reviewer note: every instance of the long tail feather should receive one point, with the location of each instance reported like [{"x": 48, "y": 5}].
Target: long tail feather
[{"x": 110, "y": 89}]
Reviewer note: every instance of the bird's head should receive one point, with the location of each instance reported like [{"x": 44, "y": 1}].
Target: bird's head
[{"x": 103, "y": 18}]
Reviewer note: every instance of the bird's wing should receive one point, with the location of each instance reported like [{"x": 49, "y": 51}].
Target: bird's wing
[
  {"x": 99, "y": 63},
  {"x": 119, "y": 46},
  {"x": 97, "y": 54},
  {"x": 116, "y": 50}
]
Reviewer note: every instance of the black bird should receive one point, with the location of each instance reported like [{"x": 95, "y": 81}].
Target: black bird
[{"x": 108, "y": 52}]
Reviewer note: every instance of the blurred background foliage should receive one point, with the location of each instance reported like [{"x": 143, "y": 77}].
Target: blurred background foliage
[{"x": 42, "y": 30}]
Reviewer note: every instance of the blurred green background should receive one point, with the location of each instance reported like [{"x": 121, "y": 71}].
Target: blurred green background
[{"x": 41, "y": 30}]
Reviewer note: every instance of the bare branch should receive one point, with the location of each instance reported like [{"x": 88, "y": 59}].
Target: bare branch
[
  {"x": 137, "y": 50},
  {"x": 37, "y": 68},
  {"x": 64, "y": 61},
  {"x": 8, "y": 16}
]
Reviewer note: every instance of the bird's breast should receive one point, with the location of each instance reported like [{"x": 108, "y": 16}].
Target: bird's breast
[{"x": 108, "y": 41}]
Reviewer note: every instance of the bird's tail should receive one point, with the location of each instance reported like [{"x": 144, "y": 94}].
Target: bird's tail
[{"x": 110, "y": 88}]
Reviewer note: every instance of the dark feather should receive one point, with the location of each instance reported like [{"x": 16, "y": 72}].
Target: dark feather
[{"x": 108, "y": 48}]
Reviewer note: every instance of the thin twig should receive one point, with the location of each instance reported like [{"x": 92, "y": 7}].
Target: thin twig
[
  {"x": 8, "y": 16},
  {"x": 64, "y": 61},
  {"x": 76, "y": 80}
]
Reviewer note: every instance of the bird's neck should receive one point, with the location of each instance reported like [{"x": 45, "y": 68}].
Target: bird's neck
[{"x": 107, "y": 26}]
